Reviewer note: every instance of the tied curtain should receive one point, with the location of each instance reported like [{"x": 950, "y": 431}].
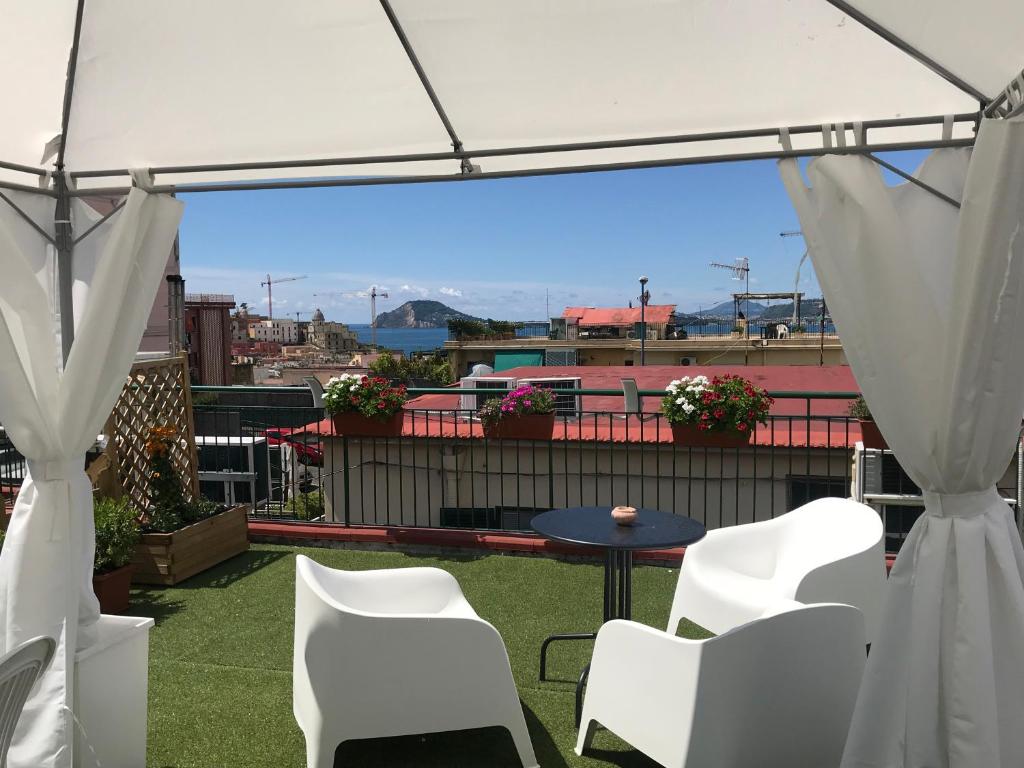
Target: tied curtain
[
  {"x": 52, "y": 414},
  {"x": 929, "y": 303}
]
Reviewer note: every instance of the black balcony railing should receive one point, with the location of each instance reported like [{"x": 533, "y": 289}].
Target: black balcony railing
[
  {"x": 444, "y": 473},
  {"x": 270, "y": 447}
]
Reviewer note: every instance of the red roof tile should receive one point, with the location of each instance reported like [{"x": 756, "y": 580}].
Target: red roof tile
[
  {"x": 620, "y": 316},
  {"x": 781, "y": 432}
]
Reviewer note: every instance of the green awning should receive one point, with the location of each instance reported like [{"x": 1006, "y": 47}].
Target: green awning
[{"x": 514, "y": 358}]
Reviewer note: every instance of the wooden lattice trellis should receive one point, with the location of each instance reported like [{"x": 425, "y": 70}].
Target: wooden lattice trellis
[{"x": 157, "y": 393}]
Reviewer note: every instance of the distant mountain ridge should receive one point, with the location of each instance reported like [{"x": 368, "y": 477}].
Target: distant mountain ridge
[{"x": 421, "y": 313}]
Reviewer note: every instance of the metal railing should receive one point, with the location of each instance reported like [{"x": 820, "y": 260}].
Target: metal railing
[
  {"x": 444, "y": 472},
  {"x": 756, "y": 328},
  {"x": 269, "y": 446}
]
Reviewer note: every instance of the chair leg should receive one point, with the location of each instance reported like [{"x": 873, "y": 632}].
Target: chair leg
[
  {"x": 586, "y": 735},
  {"x": 320, "y": 752},
  {"x": 521, "y": 737}
]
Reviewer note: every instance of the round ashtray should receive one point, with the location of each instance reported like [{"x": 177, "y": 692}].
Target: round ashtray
[{"x": 624, "y": 515}]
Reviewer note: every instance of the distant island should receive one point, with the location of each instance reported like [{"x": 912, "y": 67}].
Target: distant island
[{"x": 421, "y": 314}]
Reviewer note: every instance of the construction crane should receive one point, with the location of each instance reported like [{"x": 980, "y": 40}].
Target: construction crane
[
  {"x": 374, "y": 294},
  {"x": 269, "y": 283}
]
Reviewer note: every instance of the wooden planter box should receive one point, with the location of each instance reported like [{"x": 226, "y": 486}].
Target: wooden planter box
[
  {"x": 112, "y": 589},
  {"x": 357, "y": 425},
  {"x": 688, "y": 434},
  {"x": 535, "y": 426},
  {"x": 170, "y": 558}
]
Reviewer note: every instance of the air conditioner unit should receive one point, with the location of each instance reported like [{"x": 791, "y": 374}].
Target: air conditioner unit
[
  {"x": 687, "y": 360},
  {"x": 560, "y": 357},
  {"x": 566, "y": 405},
  {"x": 470, "y": 404}
]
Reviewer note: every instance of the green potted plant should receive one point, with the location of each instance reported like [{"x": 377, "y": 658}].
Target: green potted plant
[
  {"x": 525, "y": 413},
  {"x": 721, "y": 412},
  {"x": 871, "y": 436},
  {"x": 182, "y": 537},
  {"x": 117, "y": 535},
  {"x": 365, "y": 406}
]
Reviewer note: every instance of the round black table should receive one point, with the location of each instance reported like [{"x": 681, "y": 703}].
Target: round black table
[{"x": 594, "y": 527}]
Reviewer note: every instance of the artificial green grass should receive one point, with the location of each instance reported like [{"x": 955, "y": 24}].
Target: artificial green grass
[{"x": 221, "y": 655}]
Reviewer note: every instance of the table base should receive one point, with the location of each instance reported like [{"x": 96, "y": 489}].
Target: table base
[{"x": 618, "y": 599}]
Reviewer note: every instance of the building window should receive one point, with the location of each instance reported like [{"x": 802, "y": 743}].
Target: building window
[{"x": 801, "y": 489}]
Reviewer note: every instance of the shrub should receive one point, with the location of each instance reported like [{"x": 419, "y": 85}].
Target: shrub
[
  {"x": 858, "y": 409},
  {"x": 167, "y": 499},
  {"x": 724, "y": 403},
  {"x": 523, "y": 401},
  {"x": 433, "y": 369},
  {"x": 117, "y": 533},
  {"x": 373, "y": 397}
]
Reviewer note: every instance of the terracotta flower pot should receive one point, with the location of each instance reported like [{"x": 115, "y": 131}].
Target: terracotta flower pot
[
  {"x": 534, "y": 426},
  {"x": 112, "y": 589},
  {"x": 357, "y": 425},
  {"x": 688, "y": 434},
  {"x": 871, "y": 436}
]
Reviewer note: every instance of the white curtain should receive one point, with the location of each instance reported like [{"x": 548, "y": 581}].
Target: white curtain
[
  {"x": 53, "y": 417},
  {"x": 929, "y": 304}
]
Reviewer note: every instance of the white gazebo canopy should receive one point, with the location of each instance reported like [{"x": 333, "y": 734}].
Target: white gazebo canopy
[
  {"x": 250, "y": 89},
  {"x": 142, "y": 98}
]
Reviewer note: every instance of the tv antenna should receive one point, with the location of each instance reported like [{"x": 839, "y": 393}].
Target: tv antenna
[
  {"x": 796, "y": 280},
  {"x": 740, "y": 271}
]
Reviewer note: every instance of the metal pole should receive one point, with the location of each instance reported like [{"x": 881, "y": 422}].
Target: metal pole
[
  {"x": 853, "y": 149},
  {"x": 908, "y": 49},
  {"x": 62, "y": 209},
  {"x": 533, "y": 149},
  {"x": 65, "y": 254},
  {"x": 643, "y": 319}
]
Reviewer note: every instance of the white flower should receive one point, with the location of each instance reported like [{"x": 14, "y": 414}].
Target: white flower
[
  {"x": 689, "y": 408},
  {"x": 681, "y": 401}
]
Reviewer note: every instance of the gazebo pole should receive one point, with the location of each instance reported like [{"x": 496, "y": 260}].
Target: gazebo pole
[{"x": 65, "y": 263}]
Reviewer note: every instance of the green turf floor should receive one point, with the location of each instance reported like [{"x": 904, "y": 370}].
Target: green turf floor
[{"x": 220, "y": 692}]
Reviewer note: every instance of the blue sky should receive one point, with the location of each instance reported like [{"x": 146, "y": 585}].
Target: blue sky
[{"x": 492, "y": 248}]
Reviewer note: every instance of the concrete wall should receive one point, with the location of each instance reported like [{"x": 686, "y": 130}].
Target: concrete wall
[{"x": 408, "y": 481}]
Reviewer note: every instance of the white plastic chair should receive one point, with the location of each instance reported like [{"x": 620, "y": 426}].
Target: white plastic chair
[
  {"x": 828, "y": 551},
  {"x": 394, "y": 653},
  {"x": 774, "y": 693},
  {"x": 19, "y": 670}
]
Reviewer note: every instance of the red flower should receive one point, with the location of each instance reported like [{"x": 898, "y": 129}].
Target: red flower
[
  {"x": 750, "y": 414},
  {"x": 703, "y": 427},
  {"x": 703, "y": 417},
  {"x": 742, "y": 426},
  {"x": 719, "y": 413},
  {"x": 380, "y": 404},
  {"x": 355, "y": 400}
]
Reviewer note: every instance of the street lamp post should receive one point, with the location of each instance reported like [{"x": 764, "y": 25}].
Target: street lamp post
[{"x": 644, "y": 297}]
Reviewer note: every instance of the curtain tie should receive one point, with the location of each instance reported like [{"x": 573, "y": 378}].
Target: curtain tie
[
  {"x": 962, "y": 505},
  {"x": 51, "y": 471}
]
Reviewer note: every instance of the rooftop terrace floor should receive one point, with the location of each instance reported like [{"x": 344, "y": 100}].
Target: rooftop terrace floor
[{"x": 221, "y": 653}]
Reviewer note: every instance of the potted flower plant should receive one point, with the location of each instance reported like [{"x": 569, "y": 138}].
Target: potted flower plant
[
  {"x": 365, "y": 406},
  {"x": 117, "y": 535},
  {"x": 871, "y": 436},
  {"x": 525, "y": 413},
  {"x": 717, "y": 412}
]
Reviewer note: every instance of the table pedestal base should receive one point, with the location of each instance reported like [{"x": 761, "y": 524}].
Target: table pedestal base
[{"x": 618, "y": 598}]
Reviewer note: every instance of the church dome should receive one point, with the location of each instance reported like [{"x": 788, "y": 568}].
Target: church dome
[{"x": 318, "y": 316}]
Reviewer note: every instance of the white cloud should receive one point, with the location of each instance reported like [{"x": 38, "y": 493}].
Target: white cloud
[
  {"x": 449, "y": 291},
  {"x": 414, "y": 289}
]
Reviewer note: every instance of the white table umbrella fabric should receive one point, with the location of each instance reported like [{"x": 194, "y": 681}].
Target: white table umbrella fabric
[
  {"x": 929, "y": 302},
  {"x": 52, "y": 417}
]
